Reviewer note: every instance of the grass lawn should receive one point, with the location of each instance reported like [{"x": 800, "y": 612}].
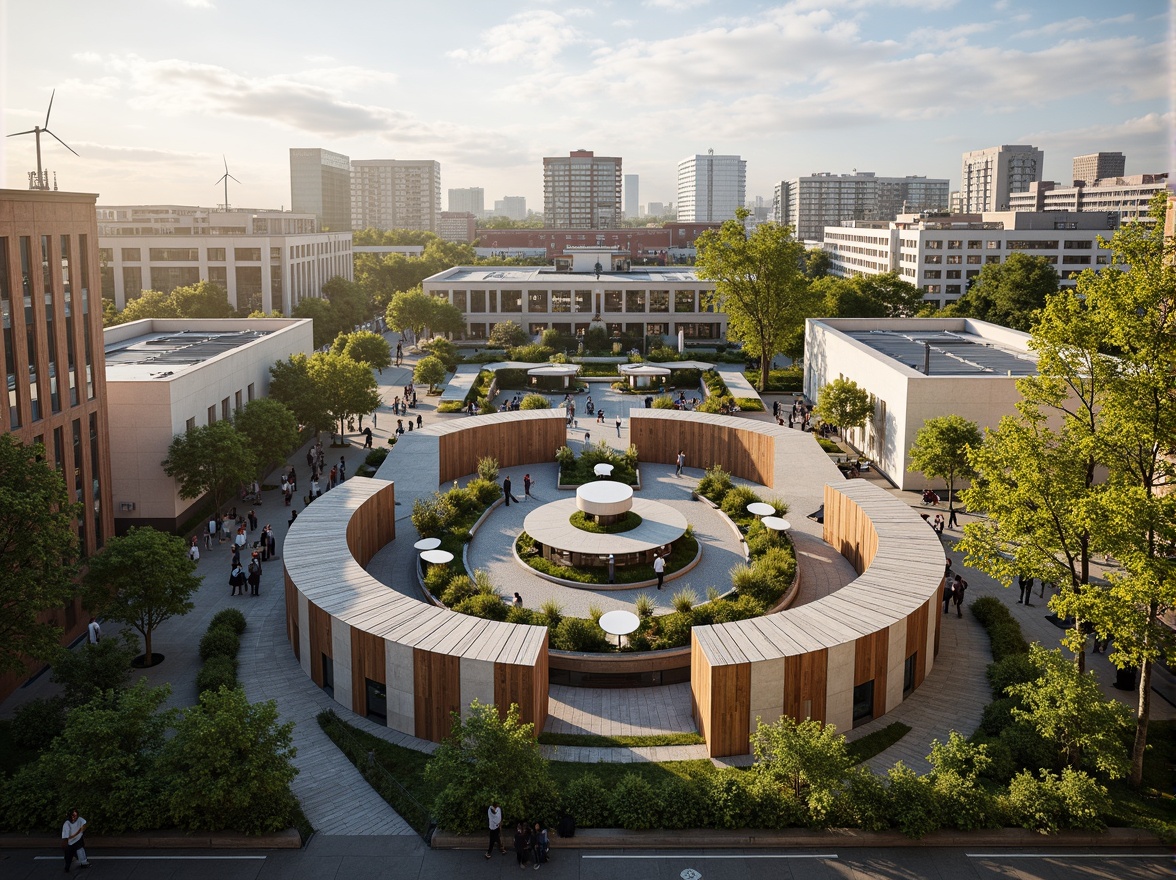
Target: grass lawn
[
  {"x": 877, "y": 742},
  {"x": 1154, "y": 806}
]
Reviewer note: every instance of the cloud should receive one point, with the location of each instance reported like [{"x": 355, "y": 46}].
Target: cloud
[
  {"x": 675, "y": 4},
  {"x": 534, "y": 38},
  {"x": 119, "y": 154},
  {"x": 1073, "y": 26},
  {"x": 198, "y": 4}
]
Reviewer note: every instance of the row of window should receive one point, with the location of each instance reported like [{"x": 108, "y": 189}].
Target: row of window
[
  {"x": 579, "y": 301},
  {"x": 226, "y": 412},
  {"x": 690, "y": 330}
]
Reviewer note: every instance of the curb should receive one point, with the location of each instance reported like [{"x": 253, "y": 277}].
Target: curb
[
  {"x": 288, "y": 839},
  {"x": 697, "y": 839}
]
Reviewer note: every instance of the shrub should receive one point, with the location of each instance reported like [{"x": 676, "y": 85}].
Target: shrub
[
  {"x": 431, "y": 516},
  {"x": 437, "y": 578},
  {"x": 772, "y": 805},
  {"x": 997, "y": 715},
  {"x": 663, "y": 401},
  {"x": 219, "y": 641},
  {"x": 91, "y": 669},
  {"x": 587, "y": 801},
  {"x": 451, "y": 406},
  {"x": 519, "y": 615},
  {"x": 488, "y": 468},
  {"x": 645, "y": 606},
  {"x": 459, "y": 588},
  {"x": 535, "y": 401},
  {"x": 749, "y": 404},
  {"x": 551, "y": 612},
  {"x": 864, "y": 802},
  {"x": 38, "y": 722},
  {"x": 729, "y": 799},
  {"x": 735, "y": 502},
  {"x": 1050, "y": 802},
  {"x": 1010, "y": 670},
  {"x": 487, "y": 605},
  {"x": 531, "y": 354},
  {"x": 217, "y": 672},
  {"x": 565, "y": 456},
  {"x": 485, "y": 407},
  {"x": 578, "y": 634},
  {"x": 231, "y": 618},
  {"x": 684, "y": 600},
  {"x": 914, "y": 808},
  {"x": 634, "y": 803},
  {"x": 1003, "y": 630},
  {"x": 714, "y": 484},
  {"x": 683, "y": 804},
  {"x": 485, "y": 492},
  {"x": 1027, "y": 748}
]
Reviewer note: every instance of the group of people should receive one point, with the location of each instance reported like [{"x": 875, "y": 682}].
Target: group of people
[
  {"x": 799, "y": 413},
  {"x": 532, "y": 845},
  {"x": 953, "y": 591},
  {"x": 507, "y": 494},
  {"x": 400, "y": 405}
]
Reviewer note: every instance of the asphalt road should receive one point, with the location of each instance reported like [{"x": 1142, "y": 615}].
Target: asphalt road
[{"x": 406, "y": 858}]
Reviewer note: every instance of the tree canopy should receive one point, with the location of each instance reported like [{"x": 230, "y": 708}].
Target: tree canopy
[
  {"x": 203, "y": 299},
  {"x": 758, "y": 284},
  {"x": 365, "y": 347},
  {"x": 210, "y": 459},
  {"x": 429, "y": 370},
  {"x": 942, "y": 450},
  {"x": 142, "y": 579},
  {"x": 38, "y": 552},
  {"x": 509, "y": 334},
  {"x": 270, "y": 430},
  {"x": 346, "y": 387},
  {"x": 1009, "y": 293},
  {"x": 844, "y": 404},
  {"x": 291, "y": 384}
]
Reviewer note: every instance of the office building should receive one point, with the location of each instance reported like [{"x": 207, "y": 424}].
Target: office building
[
  {"x": 581, "y": 191},
  {"x": 461, "y": 226},
  {"x": 666, "y": 244},
  {"x": 51, "y": 347},
  {"x": 990, "y": 176},
  {"x": 511, "y": 207},
  {"x": 632, "y": 196},
  {"x": 320, "y": 184},
  {"x": 1097, "y": 166},
  {"x": 395, "y": 194},
  {"x": 658, "y": 209},
  {"x": 265, "y": 260},
  {"x": 809, "y": 204},
  {"x": 165, "y": 376},
  {"x": 942, "y": 253},
  {"x": 1128, "y": 198},
  {"x": 711, "y": 188},
  {"x": 469, "y": 200}
]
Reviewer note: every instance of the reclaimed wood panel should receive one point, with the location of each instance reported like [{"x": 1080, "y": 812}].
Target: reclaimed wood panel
[
  {"x": 515, "y": 439},
  {"x": 367, "y": 662},
  {"x": 870, "y": 661},
  {"x": 320, "y": 639},
  {"x": 436, "y": 693},
  {"x": 741, "y": 447},
  {"x": 805, "y": 680},
  {"x": 372, "y": 525},
  {"x": 916, "y": 641}
]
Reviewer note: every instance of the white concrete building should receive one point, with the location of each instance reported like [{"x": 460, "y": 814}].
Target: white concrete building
[
  {"x": 636, "y": 302},
  {"x": 989, "y": 176},
  {"x": 711, "y": 188},
  {"x": 1126, "y": 197},
  {"x": 511, "y": 207},
  {"x": 632, "y": 196},
  {"x": 916, "y": 369},
  {"x": 266, "y": 260},
  {"x": 810, "y": 204},
  {"x": 395, "y": 194},
  {"x": 468, "y": 200},
  {"x": 1096, "y": 166},
  {"x": 166, "y": 376},
  {"x": 942, "y": 253}
]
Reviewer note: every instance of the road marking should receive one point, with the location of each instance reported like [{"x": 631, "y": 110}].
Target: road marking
[
  {"x": 732, "y": 856},
  {"x": 1068, "y": 855},
  {"x": 158, "y": 858}
]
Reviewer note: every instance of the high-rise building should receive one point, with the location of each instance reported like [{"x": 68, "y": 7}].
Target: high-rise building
[
  {"x": 989, "y": 176},
  {"x": 711, "y": 188},
  {"x": 51, "y": 346},
  {"x": 581, "y": 191},
  {"x": 457, "y": 226},
  {"x": 657, "y": 209},
  {"x": 395, "y": 194},
  {"x": 632, "y": 196},
  {"x": 469, "y": 200},
  {"x": 320, "y": 184},
  {"x": 1098, "y": 166},
  {"x": 809, "y": 204},
  {"x": 511, "y": 207}
]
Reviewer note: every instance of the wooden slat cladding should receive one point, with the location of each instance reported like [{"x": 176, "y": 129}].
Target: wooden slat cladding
[
  {"x": 870, "y": 656},
  {"x": 291, "y": 611},
  {"x": 700, "y": 690},
  {"x": 730, "y": 710},
  {"x": 805, "y": 685},
  {"x": 320, "y": 639},
  {"x": 367, "y": 661},
  {"x": 916, "y": 640},
  {"x": 515, "y": 439},
  {"x": 436, "y": 693},
  {"x": 742, "y": 449},
  {"x": 372, "y": 525}
]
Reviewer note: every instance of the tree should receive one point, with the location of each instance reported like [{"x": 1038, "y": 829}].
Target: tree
[
  {"x": 429, "y": 370},
  {"x": 210, "y": 460},
  {"x": 38, "y": 552},
  {"x": 844, "y": 404},
  {"x": 535, "y": 401},
  {"x": 1010, "y": 293},
  {"x": 86, "y": 672},
  {"x": 365, "y": 347},
  {"x": 817, "y": 262},
  {"x": 807, "y": 757},
  {"x": 230, "y": 764},
  {"x": 349, "y": 303},
  {"x": 142, "y": 579},
  {"x": 758, "y": 283},
  {"x": 445, "y": 317},
  {"x": 346, "y": 387},
  {"x": 410, "y": 310},
  {"x": 291, "y": 384},
  {"x": 489, "y": 758},
  {"x": 508, "y": 334},
  {"x": 325, "y": 325},
  {"x": 204, "y": 299},
  {"x": 148, "y": 304},
  {"x": 270, "y": 430},
  {"x": 942, "y": 448},
  {"x": 442, "y": 348}
]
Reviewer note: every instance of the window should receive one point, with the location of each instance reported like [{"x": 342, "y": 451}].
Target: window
[
  {"x": 561, "y": 301},
  {"x": 237, "y": 401},
  {"x": 247, "y": 255},
  {"x": 952, "y": 288},
  {"x": 511, "y": 300},
  {"x": 1079, "y": 245},
  {"x": 634, "y": 300},
  {"x": 933, "y": 258},
  {"x": 908, "y": 674},
  {"x": 932, "y": 273},
  {"x": 683, "y": 300},
  {"x": 1102, "y": 259},
  {"x": 376, "y": 700},
  {"x": 328, "y": 675},
  {"x": 973, "y": 259},
  {"x": 212, "y": 415},
  {"x": 225, "y": 413},
  {"x": 249, "y": 391},
  {"x": 130, "y": 255},
  {"x": 954, "y": 245},
  {"x": 1076, "y": 260},
  {"x": 953, "y": 273},
  {"x": 1027, "y": 245},
  {"x": 954, "y": 259},
  {"x": 477, "y": 300},
  {"x": 536, "y": 301},
  {"x": 990, "y": 260},
  {"x": 933, "y": 245},
  {"x": 584, "y": 302},
  {"x": 975, "y": 244},
  {"x": 216, "y": 255},
  {"x": 459, "y": 300},
  {"x": 931, "y": 288},
  {"x": 190, "y": 425},
  {"x": 174, "y": 254},
  {"x": 863, "y": 703},
  {"x": 993, "y": 245},
  {"x": 612, "y": 301}
]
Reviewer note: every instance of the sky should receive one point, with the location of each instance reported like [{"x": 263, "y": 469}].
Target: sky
[{"x": 153, "y": 93}]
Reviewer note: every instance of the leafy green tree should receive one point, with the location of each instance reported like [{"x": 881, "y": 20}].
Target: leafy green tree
[
  {"x": 410, "y": 311},
  {"x": 211, "y": 459},
  {"x": 38, "y": 552},
  {"x": 807, "y": 757},
  {"x": 1010, "y": 293},
  {"x": 319, "y": 311},
  {"x": 489, "y": 758},
  {"x": 817, "y": 262},
  {"x": 291, "y": 384},
  {"x": 1067, "y": 709},
  {"x": 349, "y": 303},
  {"x": 844, "y": 404},
  {"x": 535, "y": 401},
  {"x": 230, "y": 765},
  {"x": 429, "y": 370},
  {"x": 442, "y": 348},
  {"x": 347, "y": 388},
  {"x": 758, "y": 283},
  {"x": 142, "y": 579},
  {"x": 444, "y": 317},
  {"x": 365, "y": 347},
  {"x": 148, "y": 304},
  {"x": 270, "y": 430},
  {"x": 508, "y": 334},
  {"x": 942, "y": 449},
  {"x": 204, "y": 299},
  {"x": 89, "y": 670}
]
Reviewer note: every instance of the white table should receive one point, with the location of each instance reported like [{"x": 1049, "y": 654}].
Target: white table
[
  {"x": 761, "y": 508},
  {"x": 437, "y": 557},
  {"x": 604, "y": 469},
  {"x": 776, "y": 523},
  {"x": 619, "y": 623},
  {"x": 427, "y": 544}
]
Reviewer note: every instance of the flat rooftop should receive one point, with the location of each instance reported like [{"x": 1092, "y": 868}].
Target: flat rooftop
[
  {"x": 163, "y": 355},
  {"x": 521, "y": 274},
  {"x": 952, "y": 353}
]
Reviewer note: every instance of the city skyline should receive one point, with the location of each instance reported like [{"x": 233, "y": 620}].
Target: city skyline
[{"x": 889, "y": 86}]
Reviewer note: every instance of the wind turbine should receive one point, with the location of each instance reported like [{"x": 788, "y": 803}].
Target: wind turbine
[
  {"x": 225, "y": 179},
  {"x": 42, "y": 178}
]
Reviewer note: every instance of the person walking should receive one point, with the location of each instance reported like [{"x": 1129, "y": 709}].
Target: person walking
[
  {"x": 1026, "y": 584},
  {"x": 254, "y": 576},
  {"x": 494, "y": 820},
  {"x": 952, "y": 522},
  {"x": 342, "y": 469},
  {"x": 210, "y": 532},
  {"x": 522, "y": 843},
  {"x": 420, "y": 418},
  {"x": 252, "y": 517},
  {"x": 194, "y": 549},
  {"x": 540, "y": 844},
  {"x": 94, "y": 632},
  {"x": 271, "y": 542},
  {"x": 680, "y": 462},
  {"x": 526, "y": 487},
  {"x": 506, "y": 493},
  {"x": 237, "y": 580},
  {"x": 957, "y": 594},
  {"x": 73, "y": 840},
  {"x": 659, "y": 568},
  {"x": 618, "y": 426}
]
